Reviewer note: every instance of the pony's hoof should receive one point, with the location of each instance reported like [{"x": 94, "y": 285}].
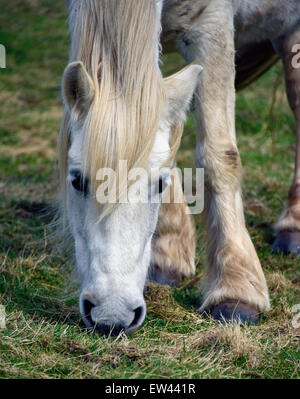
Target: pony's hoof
[
  {"x": 235, "y": 311},
  {"x": 164, "y": 277},
  {"x": 287, "y": 242}
]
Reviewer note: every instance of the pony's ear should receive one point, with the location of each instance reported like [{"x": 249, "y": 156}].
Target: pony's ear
[
  {"x": 77, "y": 88},
  {"x": 180, "y": 89}
]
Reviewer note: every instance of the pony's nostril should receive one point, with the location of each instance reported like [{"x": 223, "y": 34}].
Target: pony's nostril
[
  {"x": 138, "y": 316},
  {"x": 138, "y": 313},
  {"x": 87, "y": 309},
  {"x": 110, "y": 318}
]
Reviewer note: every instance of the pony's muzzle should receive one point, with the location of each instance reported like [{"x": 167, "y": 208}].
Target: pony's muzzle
[{"x": 111, "y": 317}]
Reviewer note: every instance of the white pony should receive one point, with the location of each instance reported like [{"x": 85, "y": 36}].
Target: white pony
[{"x": 118, "y": 107}]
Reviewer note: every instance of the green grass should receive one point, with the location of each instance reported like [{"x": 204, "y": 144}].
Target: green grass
[{"x": 44, "y": 337}]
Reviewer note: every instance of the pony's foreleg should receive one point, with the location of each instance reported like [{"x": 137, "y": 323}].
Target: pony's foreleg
[
  {"x": 235, "y": 286},
  {"x": 288, "y": 227},
  {"x": 173, "y": 244}
]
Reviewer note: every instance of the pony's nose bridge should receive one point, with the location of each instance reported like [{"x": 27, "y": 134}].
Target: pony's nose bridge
[{"x": 113, "y": 315}]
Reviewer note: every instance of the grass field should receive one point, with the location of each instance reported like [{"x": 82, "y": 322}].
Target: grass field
[{"x": 44, "y": 337}]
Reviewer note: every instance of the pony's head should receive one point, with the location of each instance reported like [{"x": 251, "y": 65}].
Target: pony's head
[{"x": 118, "y": 109}]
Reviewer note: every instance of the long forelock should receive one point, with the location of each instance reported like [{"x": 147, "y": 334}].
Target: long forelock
[{"x": 117, "y": 41}]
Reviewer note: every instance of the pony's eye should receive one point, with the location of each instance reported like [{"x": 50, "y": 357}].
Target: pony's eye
[
  {"x": 160, "y": 185},
  {"x": 79, "y": 183}
]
